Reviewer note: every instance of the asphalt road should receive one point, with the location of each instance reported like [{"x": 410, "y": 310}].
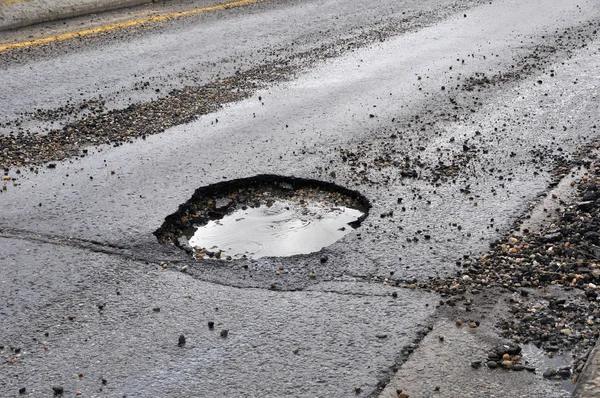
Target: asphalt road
[{"x": 462, "y": 112}]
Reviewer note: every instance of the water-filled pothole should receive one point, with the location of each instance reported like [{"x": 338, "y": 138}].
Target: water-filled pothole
[{"x": 264, "y": 216}]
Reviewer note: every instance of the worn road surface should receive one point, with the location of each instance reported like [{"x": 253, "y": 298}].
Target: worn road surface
[{"x": 449, "y": 117}]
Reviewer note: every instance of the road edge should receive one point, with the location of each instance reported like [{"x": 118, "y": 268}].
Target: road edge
[
  {"x": 15, "y": 19},
  {"x": 588, "y": 384}
]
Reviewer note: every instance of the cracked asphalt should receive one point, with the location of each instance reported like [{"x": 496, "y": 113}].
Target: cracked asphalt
[{"x": 451, "y": 120}]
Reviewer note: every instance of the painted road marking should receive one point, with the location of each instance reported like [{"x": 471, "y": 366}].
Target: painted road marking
[
  {"x": 7, "y": 2},
  {"x": 120, "y": 25}
]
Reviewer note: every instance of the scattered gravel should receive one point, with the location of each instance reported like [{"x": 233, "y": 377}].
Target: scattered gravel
[{"x": 564, "y": 255}]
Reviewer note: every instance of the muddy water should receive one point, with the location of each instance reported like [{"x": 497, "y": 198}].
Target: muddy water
[
  {"x": 542, "y": 362},
  {"x": 285, "y": 228}
]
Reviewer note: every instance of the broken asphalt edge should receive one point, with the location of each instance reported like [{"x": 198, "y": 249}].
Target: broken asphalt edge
[{"x": 588, "y": 383}]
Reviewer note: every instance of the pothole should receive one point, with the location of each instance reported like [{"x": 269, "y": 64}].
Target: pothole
[{"x": 263, "y": 216}]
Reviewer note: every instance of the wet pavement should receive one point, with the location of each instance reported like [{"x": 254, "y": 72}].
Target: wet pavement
[{"x": 451, "y": 131}]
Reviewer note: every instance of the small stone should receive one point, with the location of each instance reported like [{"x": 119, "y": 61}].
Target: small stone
[
  {"x": 518, "y": 367},
  {"x": 181, "y": 342},
  {"x": 492, "y": 364},
  {"x": 394, "y": 294},
  {"x": 564, "y": 373},
  {"x": 381, "y": 335},
  {"x": 58, "y": 390},
  {"x": 70, "y": 317},
  {"x": 473, "y": 325},
  {"x": 506, "y": 364},
  {"x": 476, "y": 364},
  {"x": 492, "y": 356},
  {"x": 507, "y": 348},
  {"x": 22, "y": 390},
  {"x": 156, "y": 309},
  {"x": 505, "y": 357},
  {"x": 211, "y": 325},
  {"x": 357, "y": 389},
  {"x": 312, "y": 275},
  {"x": 549, "y": 373},
  {"x": 104, "y": 381},
  {"x": 224, "y": 333},
  {"x": 296, "y": 351},
  {"x": 458, "y": 323},
  {"x": 403, "y": 395}
]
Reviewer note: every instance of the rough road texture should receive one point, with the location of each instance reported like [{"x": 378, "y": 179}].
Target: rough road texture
[
  {"x": 452, "y": 122},
  {"x": 16, "y": 14}
]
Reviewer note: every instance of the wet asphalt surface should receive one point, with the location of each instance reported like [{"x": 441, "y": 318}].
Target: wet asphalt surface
[{"x": 451, "y": 122}]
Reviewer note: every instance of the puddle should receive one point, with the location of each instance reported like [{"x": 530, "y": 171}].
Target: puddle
[
  {"x": 539, "y": 359},
  {"x": 263, "y": 216},
  {"x": 284, "y": 228}
]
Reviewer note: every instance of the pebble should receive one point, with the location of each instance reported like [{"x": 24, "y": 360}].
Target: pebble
[
  {"x": 564, "y": 373},
  {"x": 211, "y": 325},
  {"x": 549, "y": 373},
  {"x": 492, "y": 364},
  {"x": 58, "y": 390},
  {"x": 181, "y": 341},
  {"x": 224, "y": 333}
]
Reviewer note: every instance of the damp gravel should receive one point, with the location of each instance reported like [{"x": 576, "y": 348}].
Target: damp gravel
[{"x": 285, "y": 228}]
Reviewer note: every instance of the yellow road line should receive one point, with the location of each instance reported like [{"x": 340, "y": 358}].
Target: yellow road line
[
  {"x": 120, "y": 25},
  {"x": 7, "y": 2}
]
